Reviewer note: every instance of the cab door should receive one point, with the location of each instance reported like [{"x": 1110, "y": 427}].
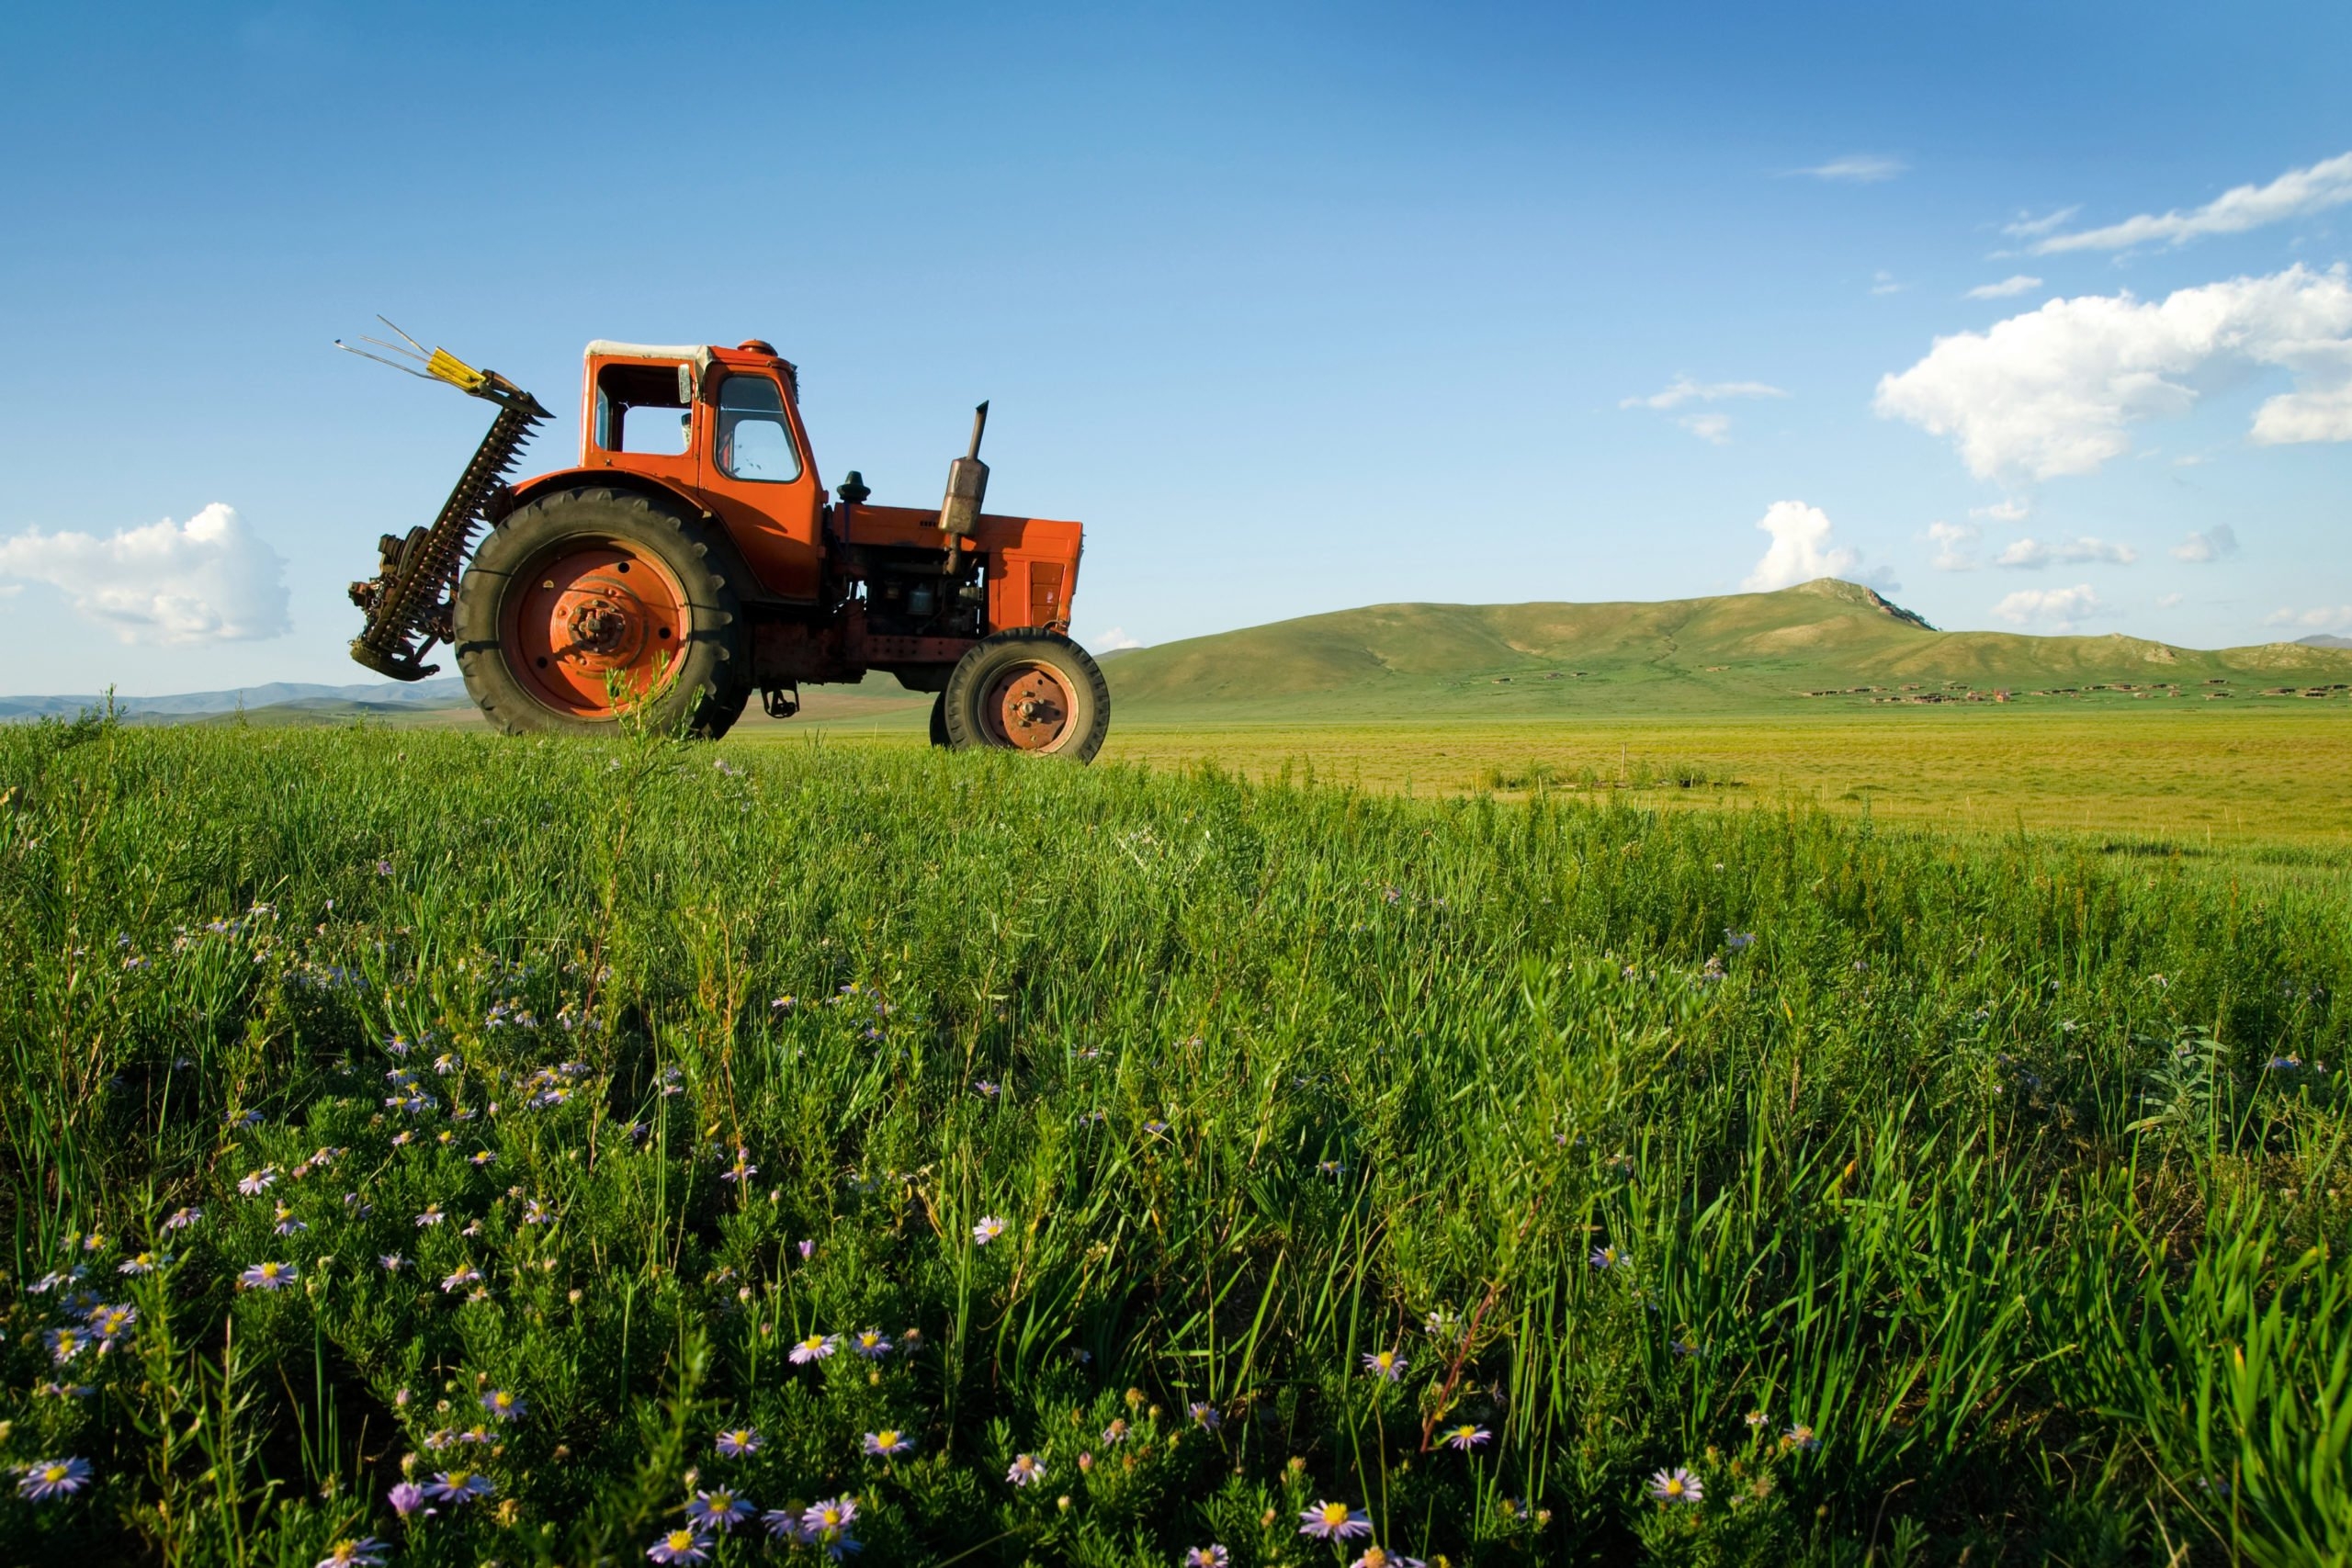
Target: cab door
[{"x": 757, "y": 478}]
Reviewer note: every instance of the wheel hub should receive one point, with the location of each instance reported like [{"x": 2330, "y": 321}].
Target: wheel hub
[
  {"x": 1030, "y": 709},
  {"x": 592, "y": 612}
]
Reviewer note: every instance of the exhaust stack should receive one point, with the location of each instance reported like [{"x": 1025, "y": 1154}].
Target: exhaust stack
[{"x": 967, "y": 485}]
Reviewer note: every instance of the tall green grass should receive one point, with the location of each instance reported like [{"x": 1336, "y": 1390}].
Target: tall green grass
[{"x": 1923, "y": 1200}]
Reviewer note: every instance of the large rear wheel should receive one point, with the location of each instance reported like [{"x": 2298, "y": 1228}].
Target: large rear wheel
[
  {"x": 1028, "y": 691},
  {"x": 587, "y": 604}
]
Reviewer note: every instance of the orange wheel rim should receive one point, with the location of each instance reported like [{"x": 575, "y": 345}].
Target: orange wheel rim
[
  {"x": 1030, "y": 708},
  {"x": 591, "y": 615}
]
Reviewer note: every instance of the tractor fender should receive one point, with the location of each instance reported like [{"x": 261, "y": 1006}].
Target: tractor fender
[{"x": 722, "y": 543}]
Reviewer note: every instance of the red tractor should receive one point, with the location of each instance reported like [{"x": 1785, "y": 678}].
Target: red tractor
[{"x": 692, "y": 558}]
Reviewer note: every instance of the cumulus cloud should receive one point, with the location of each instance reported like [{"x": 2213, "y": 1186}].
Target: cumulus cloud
[
  {"x": 2002, "y": 511},
  {"x": 1114, "y": 639},
  {"x": 2060, "y": 609},
  {"x": 2210, "y": 545},
  {"x": 2035, "y": 554},
  {"x": 1883, "y": 282},
  {"x": 1709, "y": 427},
  {"x": 1857, "y": 168},
  {"x": 1803, "y": 548},
  {"x": 2291, "y": 195},
  {"x": 2324, "y": 618},
  {"x": 209, "y": 579},
  {"x": 2051, "y": 391},
  {"x": 2169, "y": 601},
  {"x": 2005, "y": 289},
  {"x": 1955, "y": 545},
  {"x": 2025, "y": 228},
  {"x": 1683, "y": 389}
]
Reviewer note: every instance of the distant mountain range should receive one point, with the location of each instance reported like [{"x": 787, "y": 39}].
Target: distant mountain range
[
  {"x": 2325, "y": 639},
  {"x": 370, "y": 697}
]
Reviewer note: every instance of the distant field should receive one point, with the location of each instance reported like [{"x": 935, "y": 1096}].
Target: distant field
[{"x": 2183, "y": 774}]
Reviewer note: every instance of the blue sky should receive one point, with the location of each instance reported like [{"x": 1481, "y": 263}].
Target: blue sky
[{"x": 1297, "y": 306}]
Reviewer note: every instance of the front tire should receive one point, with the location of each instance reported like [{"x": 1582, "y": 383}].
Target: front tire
[
  {"x": 585, "y": 591},
  {"x": 1027, "y": 691}
]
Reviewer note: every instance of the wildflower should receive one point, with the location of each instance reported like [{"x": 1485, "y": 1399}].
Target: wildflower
[
  {"x": 459, "y": 1486},
  {"x": 267, "y": 1277},
  {"x": 986, "y": 1089},
  {"x": 48, "y": 1282},
  {"x": 473, "y": 1229},
  {"x": 286, "y": 1224},
  {"x": 536, "y": 1213},
  {"x": 65, "y": 1344},
  {"x": 1204, "y": 1417},
  {"x": 911, "y": 1341},
  {"x": 737, "y": 1442},
  {"x": 406, "y": 1499},
  {"x": 47, "y": 1478},
  {"x": 679, "y": 1546},
  {"x": 1211, "y": 1556},
  {"x": 1677, "y": 1485},
  {"x": 807, "y": 1250},
  {"x": 1117, "y": 1432},
  {"x": 145, "y": 1263},
  {"x": 1332, "y": 1168},
  {"x": 1801, "y": 1436},
  {"x": 1156, "y": 1127},
  {"x": 1334, "y": 1521},
  {"x": 1466, "y": 1436},
  {"x": 1024, "y": 1470},
  {"x": 432, "y": 1216},
  {"x": 887, "y": 1443},
  {"x": 870, "y": 1344},
  {"x": 1389, "y": 1364},
  {"x": 781, "y": 1004},
  {"x": 180, "y": 1219},
  {"x": 1379, "y": 1557},
  {"x": 1607, "y": 1257},
  {"x": 383, "y": 868},
  {"x": 987, "y": 1230},
  {"x": 718, "y": 1509},
  {"x": 816, "y": 1347},
  {"x": 1738, "y": 940},
  {"x": 829, "y": 1514},
  {"x": 741, "y": 1169},
  {"x": 466, "y": 1274},
  {"x": 391, "y": 1262},
  {"x": 1757, "y": 1418},
  {"x": 1681, "y": 1348},
  {"x": 253, "y": 1183},
  {"x": 505, "y": 1405},
  {"x": 348, "y": 1553},
  {"x": 110, "y": 1324},
  {"x": 481, "y": 1157}
]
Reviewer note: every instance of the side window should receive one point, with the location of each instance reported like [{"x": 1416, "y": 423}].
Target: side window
[
  {"x": 753, "y": 442},
  {"x": 639, "y": 410}
]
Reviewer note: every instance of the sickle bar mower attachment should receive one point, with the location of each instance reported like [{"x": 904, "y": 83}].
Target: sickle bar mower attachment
[{"x": 408, "y": 602}]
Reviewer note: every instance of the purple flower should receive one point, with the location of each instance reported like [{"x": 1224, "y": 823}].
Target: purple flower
[
  {"x": 65, "y": 1344},
  {"x": 47, "y": 1478},
  {"x": 741, "y": 1168},
  {"x": 1677, "y": 1485},
  {"x": 253, "y": 1183},
  {"x": 267, "y": 1277},
  {"x": 391, "y": 1262},
  {"x": 348, "y": 1553},
  {"x": 870, "y": 1344},
  {"x": 1605, "y": 1258},
  {"x": 1466, "y": 1436},
  {"x": 505, "y": 1405},
  {"x": 1025, "y": 1468},
  {"x": 1380, "y": 1557},
  {"x": 459, "y": 1486},
  {"x": 1801, "y": 1436},
  {"x": 679, "y": 1546},
  {"x": 1210, "y": 1556},
  {"x": 1388, "y": 1364},
  {"x": 405, "y": 1499},
  {"x": 180, "y": 1219},
  {"x": 735, "y": 1444},
  {"x": 718, "y": 1509},
  {"x": 887, "y": 1443},
  {"x": 536, "y": 1213},
  {"x": 807, "y": 1250},
  {"x": 286, "y": 1224},
  {"x": 816, "y": 1347},
  {"x": 987, "y": 1230},
  {"x": 432, "y": 1216},
  {"x": 466, "y": 1274},
  {"x": 1334, "y": 1521},
  {"x": 1204, "y": 1417},
  {"x": 829, "y": 1514},
  {"x": 1738, "y": 940}
]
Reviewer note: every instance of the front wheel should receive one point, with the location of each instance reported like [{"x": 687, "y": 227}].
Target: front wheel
[{"x": 1027, "y": 691}]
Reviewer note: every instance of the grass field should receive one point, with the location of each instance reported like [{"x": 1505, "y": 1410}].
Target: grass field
[{"x": 452, "y": 1142}]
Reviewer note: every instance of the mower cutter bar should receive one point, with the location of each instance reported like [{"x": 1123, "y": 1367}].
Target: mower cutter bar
[{"x": 409, "y": 601}]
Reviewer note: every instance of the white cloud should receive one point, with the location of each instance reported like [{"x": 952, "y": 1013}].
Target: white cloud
[
  {"x": 2034, "y": 553},
  {"x": 2170, "y": 601},
  {"x": 2002, "y": 511},
  {"x": 2051, "y": 391},
  {"x": 1803, "y": 549},
  {"x": 1955, "y": 546},
  {"x": 1883, "y": 283},
  {"x": 2060, "y": 609},
  {"x": 2324, "y": 618},
  {"x": 2005, "y": 289},
  {"x": 2291, "y": 195},
  {"x": 211, "y": 580},
  {"x": 2210, "y": 545},
  {"x": 1114, "y": 639},
  {"x": 2024, "y": 228},
  {"x": 1683, "y": 389},
  {"x": 1857, "y": 168},
  {"x": 1709, "y": 427}
]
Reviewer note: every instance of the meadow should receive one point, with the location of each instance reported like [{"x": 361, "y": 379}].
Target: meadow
[{"x": 438, "y": 1148}]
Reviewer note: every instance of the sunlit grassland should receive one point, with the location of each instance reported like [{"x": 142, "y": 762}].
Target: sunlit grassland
[{"x": 1951, "y": 1194}]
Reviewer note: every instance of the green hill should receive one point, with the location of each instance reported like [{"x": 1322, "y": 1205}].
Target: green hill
[{"x": 1826, "y": 640}]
